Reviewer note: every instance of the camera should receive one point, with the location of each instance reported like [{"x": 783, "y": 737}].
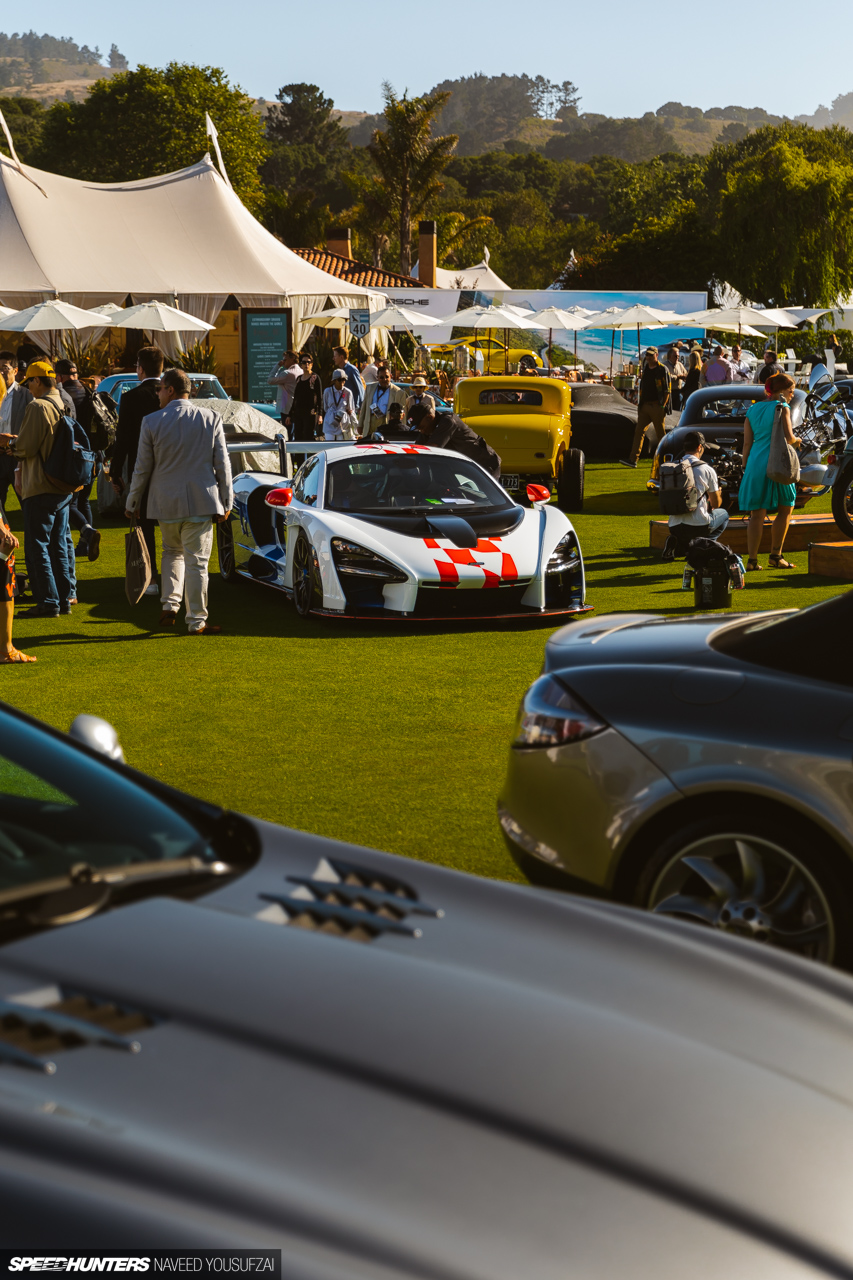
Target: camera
[{"x": 339, "y": 417}]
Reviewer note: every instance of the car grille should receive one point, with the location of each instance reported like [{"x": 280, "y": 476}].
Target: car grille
[
  {"x": 30, "y": 1035},
  {"x": 433, "y": 602},
  {"x": 348, "y": 901}
]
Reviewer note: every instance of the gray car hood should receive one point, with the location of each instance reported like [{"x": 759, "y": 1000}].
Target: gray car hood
[{"x": 534, "y": 1079}]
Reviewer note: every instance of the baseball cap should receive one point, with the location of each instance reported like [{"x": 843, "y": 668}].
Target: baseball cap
[
  {"x": 651, "y": 351},
  {"x": 39, "y": 369},
  {"x": 339, "y": 376}
]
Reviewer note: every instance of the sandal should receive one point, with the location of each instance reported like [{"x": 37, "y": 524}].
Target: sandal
[
  {"x": 15, "y": 655},
  {"x": 751, "y": 565},
  {"x": 778, "y": 561}
]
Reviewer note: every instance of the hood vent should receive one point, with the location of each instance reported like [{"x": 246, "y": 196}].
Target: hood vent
[
  {"x": 348, "y": 901},
  {"x": 31, "y": 1031}
]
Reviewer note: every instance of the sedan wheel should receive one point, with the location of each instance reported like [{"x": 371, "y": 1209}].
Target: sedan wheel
[
  {"x": 304, "y": 576},
  {"x": 842, "y": 504},
  {"x": 748, "y": 884}
]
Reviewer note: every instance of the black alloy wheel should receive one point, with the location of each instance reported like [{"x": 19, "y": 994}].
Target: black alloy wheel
[
  {"x": 305, "y": 577},
  {"x": 570, "y": 481},
  {"x": 225, "y": 549},
  {"x": 842, "y": 502},
  {"x": 775, "y": 884}
]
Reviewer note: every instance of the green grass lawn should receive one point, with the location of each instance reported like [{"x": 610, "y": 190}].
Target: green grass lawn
[{"x": 388, "y": 737}]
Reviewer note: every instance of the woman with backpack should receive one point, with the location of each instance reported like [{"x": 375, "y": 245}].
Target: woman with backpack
[{"x": 758, "y": 494}]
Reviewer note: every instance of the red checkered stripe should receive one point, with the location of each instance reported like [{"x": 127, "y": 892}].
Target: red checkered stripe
[{"x": 497, "y": 565}]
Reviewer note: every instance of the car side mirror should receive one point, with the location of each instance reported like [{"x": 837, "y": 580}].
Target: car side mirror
[
  {"x": 279, "y": 498},
  {"x": 98, "y": 734},
  {"x": 538, "y": 494}
]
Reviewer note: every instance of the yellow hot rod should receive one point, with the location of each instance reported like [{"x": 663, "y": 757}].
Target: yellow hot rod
[{"x": 528, "y": 422}]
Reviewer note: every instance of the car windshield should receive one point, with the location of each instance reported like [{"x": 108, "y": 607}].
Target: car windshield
[
  {"x": 423, "y": 482},
  {"x": 60, "y": 807},
  {"x": 208, "y": 389},
  {"x": 736, "y": 408},
  {"x": 508, "y": 396}
]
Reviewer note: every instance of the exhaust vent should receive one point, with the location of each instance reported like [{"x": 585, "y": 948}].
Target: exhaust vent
[
  {"x": 31, "y": 1032},
  {"x": 348, "y": 901}
]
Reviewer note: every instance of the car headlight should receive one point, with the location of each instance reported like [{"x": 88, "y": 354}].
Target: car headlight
[
  {"x": 564, "y": 556},
  {"x": 551, "y": 715},
  {"x": 351, "y": 558}
]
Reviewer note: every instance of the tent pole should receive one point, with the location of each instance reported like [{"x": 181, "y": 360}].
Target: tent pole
[
  {"x": 550, "y": 335},
  {"x": 506, "y": 352},
  {"x": 639, "y": 353},
  {"x": 612, "y": 344}
]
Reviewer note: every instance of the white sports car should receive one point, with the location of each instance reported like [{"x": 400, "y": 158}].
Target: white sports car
[{"x": 401, "y": 531}]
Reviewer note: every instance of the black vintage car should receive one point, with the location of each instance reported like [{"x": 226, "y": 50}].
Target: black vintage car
[
  {"x": 719, "y": 413},
  {"x": 603, "y": 422}
]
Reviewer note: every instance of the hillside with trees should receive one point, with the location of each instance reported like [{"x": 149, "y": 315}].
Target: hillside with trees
[{"x": 50, "y": 67}]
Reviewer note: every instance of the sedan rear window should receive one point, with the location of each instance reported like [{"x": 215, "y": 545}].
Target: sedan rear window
[
  {"x": 508, "y": 395},
  {"x": 728, "y": 409}
]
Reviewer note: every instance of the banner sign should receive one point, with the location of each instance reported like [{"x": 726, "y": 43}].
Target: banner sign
[
  {"x": 207, "y": 1263},
  {"x": 264, "y": 338}
]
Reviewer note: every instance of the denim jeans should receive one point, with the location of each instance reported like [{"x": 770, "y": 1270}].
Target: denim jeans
[
  {"x": 49, "y": 550},
  {"x": 717, "y": 522}
]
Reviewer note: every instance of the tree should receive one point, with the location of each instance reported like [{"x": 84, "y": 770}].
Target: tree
[
  {"x": 117, "y": 59},
  {"x": 308, "y": 150},
  {"x": 138, "y": 124},
  {"x": 25, "y": 118},
  {"x": 302, "y": 116},
  {"x": 781, "y": 201},
  {"x": 410, "y": 159},
  {"x": 631, "y": 140},
  {"x": 483, "y": 110}
]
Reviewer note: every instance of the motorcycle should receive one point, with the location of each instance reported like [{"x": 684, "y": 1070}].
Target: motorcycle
[{"x": 834, "y": 427}]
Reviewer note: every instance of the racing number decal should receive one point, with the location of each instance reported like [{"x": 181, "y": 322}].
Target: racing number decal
[{"x": 493, "y": 575}]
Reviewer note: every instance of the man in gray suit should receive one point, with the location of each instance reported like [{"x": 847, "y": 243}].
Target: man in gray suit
[{"x": 183, "y": 457}]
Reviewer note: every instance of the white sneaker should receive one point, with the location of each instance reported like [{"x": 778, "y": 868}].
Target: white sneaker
[{"x": 153, "y": 590}]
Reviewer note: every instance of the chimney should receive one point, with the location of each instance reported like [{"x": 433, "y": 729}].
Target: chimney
[
  {"x": 339, "y": 240},
  {"x": 427, "y": 253}
]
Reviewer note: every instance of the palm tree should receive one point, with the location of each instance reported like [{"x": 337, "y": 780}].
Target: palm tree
[{"x": 409, "y": 159}]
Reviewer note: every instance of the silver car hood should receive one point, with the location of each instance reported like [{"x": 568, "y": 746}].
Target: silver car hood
[{"x": 535, "y": 1078}]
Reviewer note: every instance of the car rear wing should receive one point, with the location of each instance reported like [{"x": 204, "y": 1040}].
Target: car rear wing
[{"x": 251, "y": 443}]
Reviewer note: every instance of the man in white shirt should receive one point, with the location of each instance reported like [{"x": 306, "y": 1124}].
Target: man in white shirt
[
  {"x": 741, "y": 371},
  {"x": 710, "y": 518},
  {"x": 284, "y": 376}
]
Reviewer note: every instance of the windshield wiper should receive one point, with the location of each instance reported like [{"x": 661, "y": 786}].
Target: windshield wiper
[{"x": 86, "y": 889}]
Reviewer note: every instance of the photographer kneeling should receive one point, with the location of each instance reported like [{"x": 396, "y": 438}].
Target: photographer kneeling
[{"x": 709, "y": 518}]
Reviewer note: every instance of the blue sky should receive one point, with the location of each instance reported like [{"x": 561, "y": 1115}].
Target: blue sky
[{"x": 624, "y": 58}]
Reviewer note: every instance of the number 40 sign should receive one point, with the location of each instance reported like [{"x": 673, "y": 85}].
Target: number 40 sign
[{"x": 359, "y": 323}]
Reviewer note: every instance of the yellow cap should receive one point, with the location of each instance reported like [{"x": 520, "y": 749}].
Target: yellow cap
[{"x": 39, "y": 369}]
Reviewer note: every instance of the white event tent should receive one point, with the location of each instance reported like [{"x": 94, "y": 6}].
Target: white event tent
[
  {"x": 480, "y": 276},
  {"x": 182, "y": 237}
]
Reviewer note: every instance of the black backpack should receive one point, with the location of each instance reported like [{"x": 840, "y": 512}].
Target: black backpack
[
  {"x": 677, "y": 494},
  {"x": 103, "y": 420},
  {"x": 71, "y": 463}
]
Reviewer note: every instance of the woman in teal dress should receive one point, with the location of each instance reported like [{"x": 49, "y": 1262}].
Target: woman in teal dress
[{"x": 758, "y": 494}]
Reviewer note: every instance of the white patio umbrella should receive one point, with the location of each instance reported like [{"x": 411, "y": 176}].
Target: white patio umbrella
[
  {"x": 635, "y": 317},
  {"x": 6, "y": 311},
  {"x": 52, "y": 317},
  {"x": 159, "y": 318},
  {"x": 552, "y": 318},
  {"x": 489, "y": 318},
  {"x": 330, "y": 319},
  {"x": 401, "y": 319}
]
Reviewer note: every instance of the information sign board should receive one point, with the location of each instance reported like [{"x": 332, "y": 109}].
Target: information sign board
[{"x": 265, "y": 336}]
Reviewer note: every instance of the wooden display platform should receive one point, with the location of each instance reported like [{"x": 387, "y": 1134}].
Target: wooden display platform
[
  {"x": 803, "y": 531},
  {"x": 832, "y": 560}
]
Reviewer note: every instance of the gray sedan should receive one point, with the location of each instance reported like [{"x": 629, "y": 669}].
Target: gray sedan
[
  {"x": 216, "y": 1032},
  {"x": 697, "y": 767}
]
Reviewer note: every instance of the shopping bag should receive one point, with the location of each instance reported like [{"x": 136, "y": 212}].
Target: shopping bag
[
  {"x": 783, "y": 463},
  {"x": 110, "y": 503},
  {"x": 137, "y": 572}
]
